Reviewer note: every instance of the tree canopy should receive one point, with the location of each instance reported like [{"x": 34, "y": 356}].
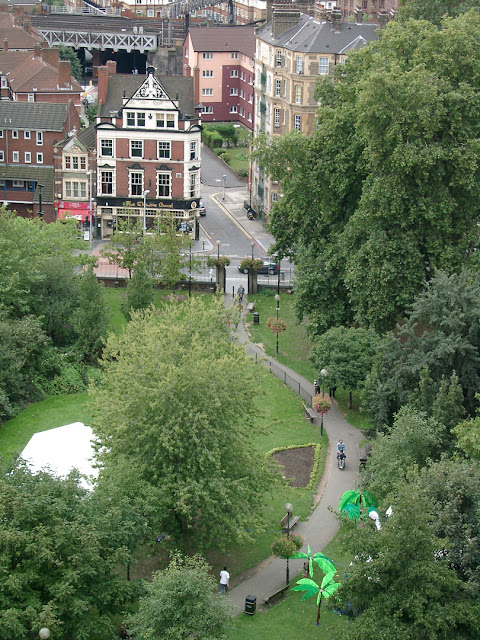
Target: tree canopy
[{"x": 385, "y": 191}]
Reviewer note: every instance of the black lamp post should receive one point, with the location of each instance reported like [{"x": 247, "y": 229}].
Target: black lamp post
[
  {"x": 217, "y": 287},
  {"x": 288, "y": 509},
  {"x": 190, "y": 272},
  {"x": 323, "y": 373},
  {"x": 40, "y": 212},
  {"x": 277, "y": 299}
]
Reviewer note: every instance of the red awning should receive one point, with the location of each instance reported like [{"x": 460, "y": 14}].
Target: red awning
[{"x": 79, "y": 210}]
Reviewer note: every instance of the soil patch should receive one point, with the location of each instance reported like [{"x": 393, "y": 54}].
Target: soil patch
[{"x": 297, "y": 464}]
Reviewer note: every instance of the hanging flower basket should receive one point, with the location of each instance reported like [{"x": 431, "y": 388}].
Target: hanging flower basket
[
  {"x": 287, "y": 545},
  {"x": 251, "y": 263},
  {"x": 277, "y": 326},
  {"x": 215, "y": 261},
  {"x": 322, "y": 404}
]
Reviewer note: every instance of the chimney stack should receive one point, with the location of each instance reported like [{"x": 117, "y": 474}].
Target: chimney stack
[
  {"x": 196, "y": 85},
  {"x": 102, "y": 84},
  {"x": 283, "y": 20},
  {"x": 37, "y": 50},
  {"x": 358, "y": 14},
  {"x": 112, "y": 67},
  {"x": 50, "y": 56},
  {"x": 336, "y": 19},
  {"x": 382, "y": 19},
  {"x": 5, "y": 44},
  {"x": 64, "y": 73},
  {"x": 319, "y": 12}
]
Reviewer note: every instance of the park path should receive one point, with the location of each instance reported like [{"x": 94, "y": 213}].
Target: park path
[{"x": 321, "y": 526}]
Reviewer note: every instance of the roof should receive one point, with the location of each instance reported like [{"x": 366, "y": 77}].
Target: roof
[
  {"x": 40, "y": 175},
  {"x": 173, "y": 85},
  {"x": 17, "y": 37},
  {"x": 224, "y": 38},
  {"x": 11, "y": 59},
  {"x": 41, "y": 116},
  {"x": 35, "y": 74},
  {"x": 88, "y": 137},
  {"x": 311, "y": 36}
]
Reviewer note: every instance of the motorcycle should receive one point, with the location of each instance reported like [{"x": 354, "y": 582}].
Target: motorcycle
[{"x": 341, "y": 461}]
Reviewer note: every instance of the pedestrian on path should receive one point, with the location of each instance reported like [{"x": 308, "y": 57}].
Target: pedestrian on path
[
  {"x": 241, "y": 291},
  {"x": 316, "y": 386},
  {"x": 224, "y": 580},
  {"x": 211, "y": 274}
]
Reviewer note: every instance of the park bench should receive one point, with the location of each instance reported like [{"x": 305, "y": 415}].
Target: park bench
[
  {"x": 364, "y": 454},
  {"x": 251, "y": 307},
  {"x": 309, "y": 413},
  {"x": 275, "y": 596},
  {"x": 293, "y": 521}
]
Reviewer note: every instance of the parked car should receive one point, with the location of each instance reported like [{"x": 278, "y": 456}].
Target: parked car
[
  {"x": 201, "y": 208},
  {"x": 269, "y": 267}
]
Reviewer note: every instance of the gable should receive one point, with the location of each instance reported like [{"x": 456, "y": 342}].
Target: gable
[{"x": 150, "y": 95}]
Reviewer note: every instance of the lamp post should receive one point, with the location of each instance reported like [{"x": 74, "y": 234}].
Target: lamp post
[
  {"x": 89, "y": 173},
  {"x": 289, "y": 510},
  {"x": 40, "y": 212},
  {"x": 190, "y": 270},
  {"x": 323, "y": 373},
  {"x": 44, "y": 633},
  {"x": 252, "y": 244},
  {"x": 277, "y": 299},
  {"x": 217, "y": 287},
  {"x": 145, "y": 193},
  {"x": 224, "y": 178}
]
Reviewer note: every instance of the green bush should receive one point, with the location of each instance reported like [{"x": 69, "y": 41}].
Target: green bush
[
  {"x": 242, "y": 173},
  {"x": 207, "y": 137},
  {"x": 225, "y": 157},
  {"x": 216, "y": 140}
]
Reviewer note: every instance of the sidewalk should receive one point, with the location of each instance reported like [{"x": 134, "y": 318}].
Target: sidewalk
[{"x": 322, "y": 525}]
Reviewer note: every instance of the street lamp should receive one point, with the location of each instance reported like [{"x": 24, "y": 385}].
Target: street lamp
[
  {"x": 323, "y": 373},
  {"x": 289, "y": 510},
  {"x": 190, "y": 270},
  {"x": 224, "y": 178},
  {"x": 145, "y": 193},
  {"x": 252, "y": 244},
  {"x": 217, "y": 287},
  {"x": 44, "y": 633},
  {"x": 277, "y": 298},
  {"x": 90, "y": 174},
  {"x": 40, "y": 212}
]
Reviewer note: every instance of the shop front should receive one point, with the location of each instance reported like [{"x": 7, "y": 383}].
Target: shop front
[{"x": 79, "y": 211}]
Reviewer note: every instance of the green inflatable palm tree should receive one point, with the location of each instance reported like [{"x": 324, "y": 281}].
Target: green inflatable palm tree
[
  {"x": 326, "y": 589},
  {"x": 325, "y": 564}
]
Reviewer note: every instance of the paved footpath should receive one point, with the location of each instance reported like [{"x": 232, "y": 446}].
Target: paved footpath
[{"x": 322, "y": 525}]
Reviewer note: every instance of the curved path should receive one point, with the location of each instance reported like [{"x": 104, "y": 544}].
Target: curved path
[{"x": 319, "y": 529}]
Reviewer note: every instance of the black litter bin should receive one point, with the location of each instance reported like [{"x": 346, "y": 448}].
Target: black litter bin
[
  {"x": 256, "y": 318},
  {"x": 250, "y": 605}
]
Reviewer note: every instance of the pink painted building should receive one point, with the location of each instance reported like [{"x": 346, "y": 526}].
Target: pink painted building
[{"x": 221, "y": 60}]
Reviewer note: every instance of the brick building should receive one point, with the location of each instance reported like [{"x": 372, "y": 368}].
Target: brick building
[
  {"x": 28, "y": 134},
  {"x": 148, "y": 149}
]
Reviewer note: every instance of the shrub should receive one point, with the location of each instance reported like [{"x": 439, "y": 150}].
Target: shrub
[
  {"x": 225, "y": 157},
  {"x": 216, "y": 140},
  {"x": 214, "y": 261},
  {"x": 251, "y": 263}
]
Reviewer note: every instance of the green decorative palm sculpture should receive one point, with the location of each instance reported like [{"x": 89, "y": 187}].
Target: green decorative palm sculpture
[
  {"x": 353, "y": 503},
  {"x": 324, "y": 563},
  {"x": 325, "y": 589}
]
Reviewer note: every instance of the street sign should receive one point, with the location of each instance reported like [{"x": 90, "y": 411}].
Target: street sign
[{"x": 224, "y": 177}]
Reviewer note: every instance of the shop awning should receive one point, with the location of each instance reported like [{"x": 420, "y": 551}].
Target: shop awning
[{"x": 79, "y": 210}]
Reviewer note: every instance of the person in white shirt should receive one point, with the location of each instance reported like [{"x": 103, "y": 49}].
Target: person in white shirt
[{"x": 224, "y": 580}]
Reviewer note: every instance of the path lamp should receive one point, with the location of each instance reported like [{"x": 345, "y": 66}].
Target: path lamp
[
  {"x": 323, "y": 373},
  {"x": 145, "y": 193},
  {"x": 277, "y": 299},
  {"x": 289, "y": 510},
  {"x": 190, "y": 270},
  {"x": 44, "y": 633},
  {"x": 252, "y": 244},
  {"x": 90, "y": 179},
  {"x": 224, "y": 178},
  {"x": 40, "y": 212},
  {"x": 217, "y": 286}
]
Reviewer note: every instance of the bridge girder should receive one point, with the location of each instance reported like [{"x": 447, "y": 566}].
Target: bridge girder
[{"x": 141, "y": 42}]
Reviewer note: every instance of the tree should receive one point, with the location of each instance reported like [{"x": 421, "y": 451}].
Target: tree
[
  {"x": 468, "y": 436},
  {"x": 385, "y": 191},
  {"x": 124, "y": 244},
  {"x": 448, "y": 406},
  {"x": 140, "y": 290},
  {"x": 434, "y": 10},
  {"x": 347, "y": 353},
  {"x": 181, "y": 603},
  {"x": 91, "y": 112},
  {"x": 91, "y": 318},
  {"x": 398, "y": 585},
  {"x": 67, "y": 53},
  {"x": 166, "y": 403},
  {"x": 59, "y": 559}
]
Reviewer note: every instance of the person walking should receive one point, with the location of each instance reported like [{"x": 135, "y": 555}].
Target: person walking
[
  {"x": 240, "y": 292},
  {"x": 224, "y": 580}
]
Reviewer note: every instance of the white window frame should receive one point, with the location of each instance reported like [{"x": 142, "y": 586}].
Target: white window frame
[
  {"x": 165, "y": 152},
  {"x": 278, "y": 58},
  {"x": 4, "y": 82},
  {"x": 298, "y": 94},
  {"x": 39, "y": 138},
  {"x": 31, "y": 97},
  {"x": 165, "y": 186},
  {"x": 138, "y": 183},
  {"x": 298, "y": 123},
  {"x": 276, "y": 116},
  {"x": 323, "y": 63},
  {"x": 16, "y": 156},
  {"x": 233, "y": 91},
  {"x": 207, "y": 55},
  {"x": 193, "y": 184},
  {"x": 207, "y": 91},
  {"x": 193, "y": 150},
  {"x": 278, "y": 87},
  {"x": 39, "y": 157},
  {"x": 28, "y": 157},
  {"x": 234, "y": 109},
  {"x": 207, "y": 73},
  {"x": 234, "y": 73},
  {"x": 14, "y": 134},
  {"x": 101, "y": 182},
  {"x": 207, "y": 108},
  {"x": 234, "y": 55},
  {"x": 299, "y": 64},
  {"x": 136, "y": 145},
  {"x": 2, "y": 156},
  {"x": 106, "y": 144},
  {"x": 27, "y": 135}
]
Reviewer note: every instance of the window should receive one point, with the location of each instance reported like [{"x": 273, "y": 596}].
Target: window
[
  {"x": 284, "y": 88},
  {"x": 136, "y": 184},
  {"x": 106, "y": 182},
  {"x": 284, "y": 117},
  {"x": 19, "y": 184},
  {"x": 75, "y": 189},
  {"x": 274, "y": 196},
  {"x": 130, "y": 119},
  {"x": 39, "y": 137},
  {"x": 207, "y": 109},
  {"x": 193, "y": 184},
  {"x": 299, "y": 64},
  {"x": 150, "y": 13},
  {"x": 279, "y": 58},
  {"x": 207, "y": 55},
  {"x": 270, "y": 57},
  {"x": 31, "y": 97},
  {"x": 164, "y": 185},
  {"x": 234, "y": 73},
  {"x": 106, "y": 148},
  {"x": 298, "y": 123},
  {"x": 193, "y": 150},
  {"x": 135, "y": 119},
  {"x": 250, "y": 98},
  {"x": 234, "y": 91},
  {"x": 39, "y": 158},
  {"x": 26, "y": 135},
  {"x": 207, "y": 73},
  {"x": 278, "y": 86},
  {"x": 165, "y": 150},
  {"x": 2, "y": 156},
  {"x": 298, "y": 94},
  {"x": 276, "y": 117},
  {"x": 165, "y": 121},
  {"x": 28, "y": 157},
  {"x": 323, "y": 66},
  {"x": 207, "y": 92},
  {"x": 234, "y": 55},
  {"x": 140, "y": 119},
  {"x": 1, "y": 133},
  {"x": 16, "y": 156},
  {"x": 234, "y": 109},
  {"x": 136, "y": 148},
  {"x": 15, "y": 134},
  {"x": 4, "y": 82},
  {"x": 269, "y": 84}
]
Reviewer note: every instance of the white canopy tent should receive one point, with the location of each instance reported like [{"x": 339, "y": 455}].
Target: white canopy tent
[{"x": 60, "y": 450}]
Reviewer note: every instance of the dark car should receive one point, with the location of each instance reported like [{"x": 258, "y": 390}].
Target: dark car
[{"x": 269, "y": 267}]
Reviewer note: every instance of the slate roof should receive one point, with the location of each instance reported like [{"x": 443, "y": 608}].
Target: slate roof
[
  {"x": 173, "y": 85},
  {"x": 40, "y": 175},
  {"x": 42, "y": 116},
  {"x": 88, "y": 137},
  {"x": 224, "y": 38},
  {"x": 311, "y": 36}
]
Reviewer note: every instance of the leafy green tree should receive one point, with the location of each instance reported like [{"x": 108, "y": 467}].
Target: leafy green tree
[
  {"x": 347, "y": 353},
  {"x": 181, "y": 603},
  {"x": 67, "y": 53},
  {"x": 468, "y": 436},
  {"x": 91, "y": 318},
  {"x": 398, "y": 585},
  {"x": 385, "y": 191},
  {"x": 167, "y": 404},
  {"x": 140, "y": 290},
  {"x": 59, "y": 559},
  {"x": 434, "y": 10},
  {"x": 448, "y": 406},
  {"x": 91, "y": 112},
  {"x": 124, "y": 244},
  {"x": 162, "y": 251}
]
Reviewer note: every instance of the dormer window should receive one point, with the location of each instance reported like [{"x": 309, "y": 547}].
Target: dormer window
[
  {"x": 136, "y": 119},
  {"x": 165, "y": 121}
]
